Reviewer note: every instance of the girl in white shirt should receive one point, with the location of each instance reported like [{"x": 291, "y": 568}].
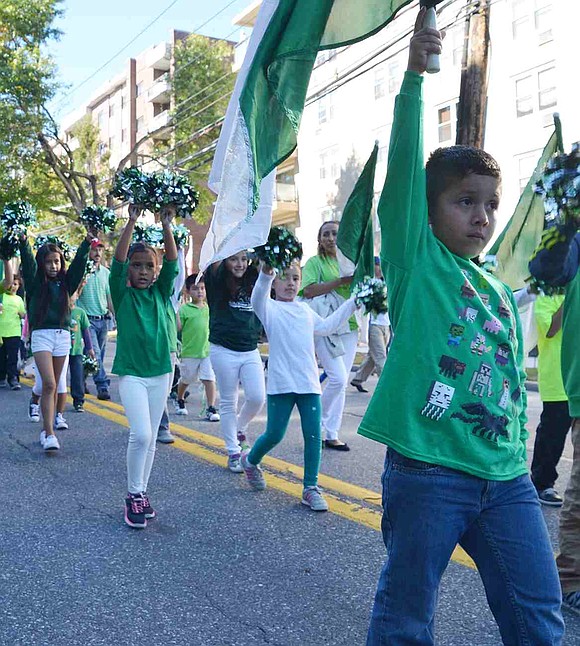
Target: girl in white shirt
[{"x": 292, "y": 374}]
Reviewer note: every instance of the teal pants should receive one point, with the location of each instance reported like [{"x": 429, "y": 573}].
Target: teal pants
[{"x": 279, "y": 411}]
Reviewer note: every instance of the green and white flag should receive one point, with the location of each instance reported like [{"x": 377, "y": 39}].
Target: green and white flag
[
  {"x": 265, "y": 110},
  {"x": 356, "y": 249},
  {"x": 521, "y": 235}
]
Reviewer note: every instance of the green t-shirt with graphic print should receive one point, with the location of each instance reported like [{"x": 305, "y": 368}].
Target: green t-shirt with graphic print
[{"x": 452, "y": 391}]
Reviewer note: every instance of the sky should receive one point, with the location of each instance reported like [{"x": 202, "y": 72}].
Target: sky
[{"x": 94, "y": 31}]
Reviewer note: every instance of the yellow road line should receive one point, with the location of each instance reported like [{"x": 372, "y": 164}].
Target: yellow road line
[{"x": 202, "y": 446}]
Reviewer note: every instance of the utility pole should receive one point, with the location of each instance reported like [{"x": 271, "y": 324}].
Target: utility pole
[{"x": 472, "y": 108}]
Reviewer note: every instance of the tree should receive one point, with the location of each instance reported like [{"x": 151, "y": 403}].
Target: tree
[
  {"x": 26, "y": 85},
  {"x": 345, "y": 183},
  {"x": 202, "y": 84}
]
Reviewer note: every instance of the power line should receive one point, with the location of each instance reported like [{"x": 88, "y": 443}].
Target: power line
[{"x": 110, "y": 60}]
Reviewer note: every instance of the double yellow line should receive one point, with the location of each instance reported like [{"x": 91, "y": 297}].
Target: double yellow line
[{"x": 349, "y": 501}]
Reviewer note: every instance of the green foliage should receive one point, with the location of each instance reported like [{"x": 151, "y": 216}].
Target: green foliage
[
  {"x": 202, "y": 84},
  {"x": 26, "y": 84}
]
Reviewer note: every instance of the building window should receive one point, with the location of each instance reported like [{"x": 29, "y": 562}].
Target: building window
[
  {"x": 140, "y": 123},
  {"x": 524, "y": 96},
  {"x": 158, "y": 108},
  {"x": 123, "y": 135},
  {"x": 393, "y": 77},
  {"x": 138, "y": 89},
  {"x": 111, "y": 143},
  {"x": 322, "y": 160},
  {"x": 444, "y": 123},
  {"x": 111, "y": 110},
  {"x": 334, "y": 166},
  {"x": 536, "y": 92},
  {"x": 101, "y": 149},
  {"x": 520, "y": 19},
  {"x": 547, "y": 88},
  {"x": 325, "y": 109},
  {"x": 543, "y": 24},
  {"x": 101, "y": 118},
  {"x": 526, "y": 165},
  {"x": 379, "y": 83},
  {"x": 532, "y": 15}
]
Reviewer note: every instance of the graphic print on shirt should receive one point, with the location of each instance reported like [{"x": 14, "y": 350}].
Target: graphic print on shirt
[
  {"x": 467, "y": 290},
  {"x": 485, "y": 424},
  {"x": 485, "y": 300},
  {"x": 468, "y": 314},
  {"x": 480, "y": 383},
  {"x": 438, "y": 400},
  {"x": 493, "y": 325},
  {"x": 455, "y": 336},
  {"x": 450, "y": 367},
  {"x": 478, "y": 346},
  {"x": 505, "y": 398},
  {"x": 502, "y": 354},
  {"x": 242, "y": 302},
  {"x": 503, "y": 310},
  {"x": 74, "y": 328}
]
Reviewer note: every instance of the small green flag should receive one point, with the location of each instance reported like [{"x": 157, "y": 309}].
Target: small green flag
[
  {"x": 522, "y": 233},
  {"x": 355, "y": 232}
]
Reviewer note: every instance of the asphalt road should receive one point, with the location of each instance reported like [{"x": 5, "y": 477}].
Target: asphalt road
[{"x": 221, "y": 565}]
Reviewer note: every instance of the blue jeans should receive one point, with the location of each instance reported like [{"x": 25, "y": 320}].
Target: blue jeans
[
  {"x": 99, "y": 339},
  {"x": 428, "y": 510},
  {"x": 77, "y": 378}
]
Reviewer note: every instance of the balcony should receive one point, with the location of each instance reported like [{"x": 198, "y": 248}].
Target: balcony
[
  {"x": 159, "y": 57},
  {"x": 160, "y": 91},
  {"x": 161, "y": 120}
]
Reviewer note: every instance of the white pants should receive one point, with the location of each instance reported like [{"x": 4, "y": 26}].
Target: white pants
[
  {"x": 143, "y": 399},
  {"x": 230, "y": 368},
  {"x": 61, "y": 386},
  {"x": 334, "y": 393}
]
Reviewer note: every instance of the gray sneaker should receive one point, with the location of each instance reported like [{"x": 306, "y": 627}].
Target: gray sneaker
[
  {"x": 254, "y": 474},
  {"x": 234, "y": 464},
  {"x": 164, "y": 436},
  {"x": 311, "y": 497}
]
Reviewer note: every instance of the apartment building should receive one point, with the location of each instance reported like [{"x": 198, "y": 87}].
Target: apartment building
[{"x": 351, "y": 96}]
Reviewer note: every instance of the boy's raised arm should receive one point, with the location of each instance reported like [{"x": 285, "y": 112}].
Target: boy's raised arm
[{"x": 402, "y": 207}]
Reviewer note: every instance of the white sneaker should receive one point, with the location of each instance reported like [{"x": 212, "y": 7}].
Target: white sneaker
[
  {"x": 313, "y": 498},
  {"x": 34, "y": 412},
  {"x": 51, "y": 443},
  {"x": 181, "y": 409},
  {"x": 60, "y": 422},
  {"x": 212, "y": 415},
  {"x": 42, "y": 438}
]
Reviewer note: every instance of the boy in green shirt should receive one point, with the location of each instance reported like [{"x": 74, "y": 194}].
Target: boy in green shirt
[
  {"x": 79, "y": 334},
  {"x": 12, "y": 311},
  {"x": 450, "y": 403},
  {"x": 193, "y": 321}
]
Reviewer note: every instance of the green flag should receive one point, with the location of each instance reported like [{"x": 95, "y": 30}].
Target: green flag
[
  {"x": 264, "y": 114},
  {"x": 523, "y": 231},
  {"x": 355, "y": 232}
]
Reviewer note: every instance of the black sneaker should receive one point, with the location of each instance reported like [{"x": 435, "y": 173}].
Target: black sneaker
[
  {"x": 103, "y": 395},
  {"x": 147, "y": 509},
  {"x": 135, "y": 511},
  {"x": 550, "y": 497},
  {"x": 14, "y": 385},
  {"x": 79, "y": 407}
]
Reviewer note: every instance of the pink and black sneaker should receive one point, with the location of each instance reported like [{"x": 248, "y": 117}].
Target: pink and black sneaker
[
  {"x": 147, "y": 509},
  {"x": 135, "y": 511}
]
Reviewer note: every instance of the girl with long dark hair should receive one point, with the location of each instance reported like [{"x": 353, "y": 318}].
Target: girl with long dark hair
[{"x": 48, "y": 287}]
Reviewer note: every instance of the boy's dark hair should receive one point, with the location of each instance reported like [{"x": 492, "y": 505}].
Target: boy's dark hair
[
  {"x": 191, "y": 280},
  {"x": 454, "y": 163},
  {"x": 44, "y": 300}
]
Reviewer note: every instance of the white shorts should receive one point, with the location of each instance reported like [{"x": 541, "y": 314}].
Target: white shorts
[
  {"x": 61, "y": 387},
  {"x": 191, "y": 368},
  {"x": 57, "y": 342}
]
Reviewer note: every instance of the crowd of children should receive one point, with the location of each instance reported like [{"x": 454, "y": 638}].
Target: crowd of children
[{"x": 455, "y": 467}]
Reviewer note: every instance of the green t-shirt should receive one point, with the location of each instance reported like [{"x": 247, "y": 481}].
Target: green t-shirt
[
  {"x": 194, "y": 331},
  {"x": 143, "y": 345},
  {"x": 323, "y": 269},
  {"x": 453, "y": 388},
  {"x": 10, "y": 321},
  {"x": 79, "y": 321},
  {"x": 570, "y": 353},
  {"x": 33, "y": 285},
  {"x": 93, "y": 298},
  {"x": 232, "y": 322},
  {"x": 550, "y": 381}
]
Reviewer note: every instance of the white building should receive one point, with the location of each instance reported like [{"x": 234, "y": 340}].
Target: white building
[{"x": 352, "y": 90}]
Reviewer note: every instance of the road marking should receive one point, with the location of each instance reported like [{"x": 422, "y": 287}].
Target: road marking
[{"x": 281, "y": 476}]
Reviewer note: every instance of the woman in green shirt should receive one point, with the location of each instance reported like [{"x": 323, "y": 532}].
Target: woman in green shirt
[{"x": 321, "y": 276}]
